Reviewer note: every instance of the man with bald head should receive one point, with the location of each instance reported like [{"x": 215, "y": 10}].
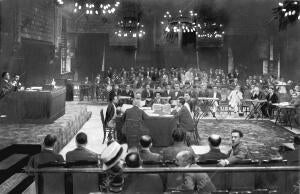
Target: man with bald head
[{"x": 214, "y": 153}]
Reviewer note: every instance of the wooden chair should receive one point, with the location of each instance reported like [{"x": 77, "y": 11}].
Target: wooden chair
[
  {"x": 196, "y": 119},
  {"x": 242, "y": 181},
  {"x": 109, "y": 130},
  {"x": 48, "y": 183}
]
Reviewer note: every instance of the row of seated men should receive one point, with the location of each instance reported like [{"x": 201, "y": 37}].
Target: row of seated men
[{"x": 112, "y": 161}]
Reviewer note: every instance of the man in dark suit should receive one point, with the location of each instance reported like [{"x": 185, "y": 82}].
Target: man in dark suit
[
  {"x": 139, "y": 183},
  {"x": 271, "y": 98},
  {"x": 47, "y": 155},
  {"x": 115, "y": 92},
  {"x": 127, "y": 92},
  {"x": 170, "y": 152},
  {"x": 238, "y": 152},
  {"x": 167, "y": 92},
  {"x": 81, "y": 153},
  {"x": 185, "y": 120},
  {"x": 214, "y": 153},
  {"x": 147, "y": 94},
  {"x": 5, "y": 85},
  {"x": 176, "y": 93},
  {"x": 133, "y": 126},
  {"x": 111, "y": 113},
  {"x": 145, "y": 152}
]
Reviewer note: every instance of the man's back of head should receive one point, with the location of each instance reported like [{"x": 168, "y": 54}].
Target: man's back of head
[
  {"x": 178, "y": 135},
  {"x": 81, "y": 139},
  {"x": 49, "y": 141},
  {"x": 214, "y": 140},
  {"x": 146, "y": 141}
]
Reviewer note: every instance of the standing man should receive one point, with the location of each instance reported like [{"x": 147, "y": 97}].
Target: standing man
[
  {"x": 111, "y": 112},
  {"x": 238, "y": 152},
  {"x": 5, "y": 85},
  {"x": 215, "y": 94}
]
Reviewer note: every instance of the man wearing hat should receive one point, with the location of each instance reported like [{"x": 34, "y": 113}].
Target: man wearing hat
[
  {"x": 214, "y": 153},
  {"x": 111, "y": 159},
  {"x": 141, "y": 183},
  {"x": 145, "y": 152}
]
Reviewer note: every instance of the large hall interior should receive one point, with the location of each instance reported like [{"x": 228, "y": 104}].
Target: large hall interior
[{"x": 150, "y": 96}]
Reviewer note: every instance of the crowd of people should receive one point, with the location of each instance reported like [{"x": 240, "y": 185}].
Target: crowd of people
[{"x": 156, "y": 85}]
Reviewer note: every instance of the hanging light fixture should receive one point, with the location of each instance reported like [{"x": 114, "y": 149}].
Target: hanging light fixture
[
  {"x": 287, "y": 12},
  {"x": 129, "y": 27},
  {"x": 97, "y": 7}
]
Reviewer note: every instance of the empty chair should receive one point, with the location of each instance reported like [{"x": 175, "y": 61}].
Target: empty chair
[
  {"x": 272, "y": 180},
  {"x": 242, "y": 181},
  {"x": 49, "y": 183},
  {"x": 83, "y": 182},
  {"x": 110, "y": 132}
]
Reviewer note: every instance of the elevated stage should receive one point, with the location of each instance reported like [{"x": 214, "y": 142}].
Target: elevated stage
[{"x": 64, "y": 128}]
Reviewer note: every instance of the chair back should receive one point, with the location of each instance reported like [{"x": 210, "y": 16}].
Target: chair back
[
  {"x": 84, "y": 182},
  {"x": 243, "y": 180},
  {"x": 48, "y": 183},
  {"x": 102, "y": 118}
]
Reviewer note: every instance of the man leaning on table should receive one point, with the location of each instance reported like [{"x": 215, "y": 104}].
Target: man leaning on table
[{"x": 238, "y": 152}]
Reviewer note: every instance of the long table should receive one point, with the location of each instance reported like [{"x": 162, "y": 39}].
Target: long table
[
  {"x": 33, "y": 106},
  {"x": 160, "y": 129}
]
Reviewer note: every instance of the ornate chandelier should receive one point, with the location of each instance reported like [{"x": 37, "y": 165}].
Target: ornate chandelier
[
  {"x": 130, "y": 27},
  {"x": 287, "y": 12},
  {"x": 97, "y": 7},
  {"x": 191, "y": 23}
]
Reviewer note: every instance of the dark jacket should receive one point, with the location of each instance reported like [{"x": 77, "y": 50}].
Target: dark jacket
[
  {"x": 237, "y": 153},
  {"x": 147, "y": 155},
  {"x": 127, "y": 93},
  {"x": 110, "y": 111},
  {"x": 44, "y": 157},
  {"x": 166, "y": 93},
  {"x": 5, "y": 87},
  {"x": 81, "y": 154},
  {"x": 213, "y": 154},
  {"x": 273, "y": 99},
  {"x": 145, "y": 94},
  {"x": 174, "y": 96},
  {"x": 185, "y": 119},
  {"x": 114, "y": 93}
]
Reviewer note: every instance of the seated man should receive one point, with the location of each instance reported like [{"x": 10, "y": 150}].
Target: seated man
[
  {"x": 238, "y": 152},
  {"x": 271, "y": 97},
  {"x": 127, "y": 92},
  {"x": 147, "y": 94},
  {"x": 176, "y": 93},
  {"x": 81, "y": 153},
  {"x": 47, "y": 155},
  {"x": 157, "y": 99},
  {"x": 214, "y": 153},
  {"x": 194, "y": 182},
  {"x": 145, "y": 152},
  {"x": 170, "y": 153},
  {"x": 141, "y": 183}
]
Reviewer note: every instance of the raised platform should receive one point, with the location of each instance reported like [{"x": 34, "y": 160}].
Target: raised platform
[{"x": 64, "y": 128}]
